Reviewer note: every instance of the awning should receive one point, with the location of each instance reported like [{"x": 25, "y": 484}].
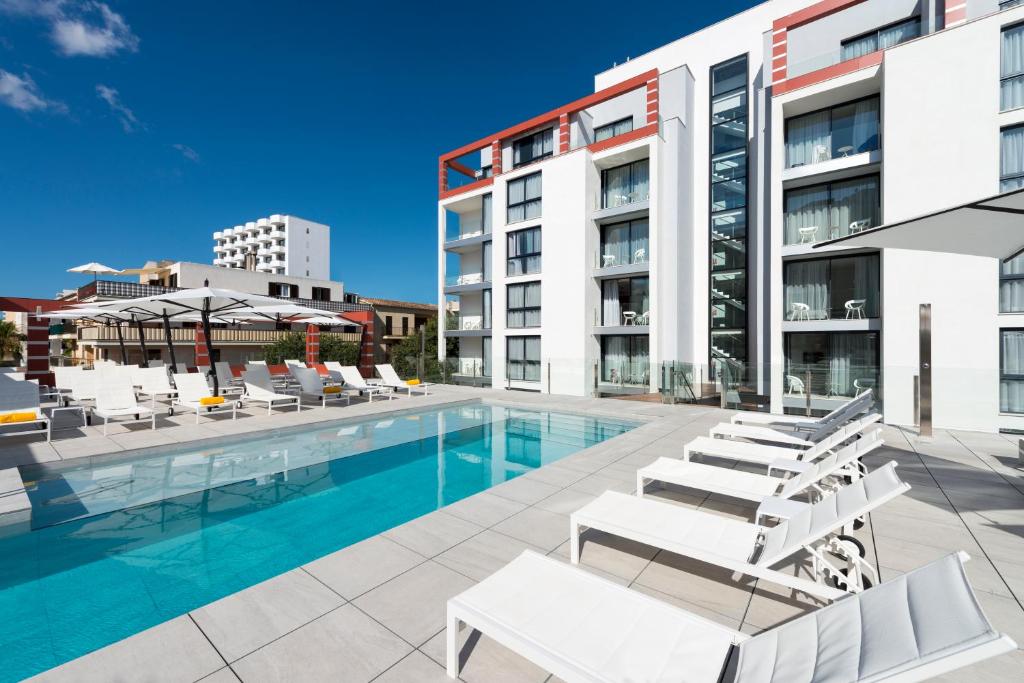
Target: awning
[{"x": 991, "y": 227}]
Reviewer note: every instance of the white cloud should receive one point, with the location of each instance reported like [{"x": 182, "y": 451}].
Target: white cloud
[
  {"x": 79, "y": 27},
  {"x": 187, "y": 152},
  {"x": 22, "y": 93},
  {"x": 125, "y": 115}
]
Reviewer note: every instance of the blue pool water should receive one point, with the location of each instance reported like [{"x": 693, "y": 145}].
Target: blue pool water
[{"x": 117, "y": 548}]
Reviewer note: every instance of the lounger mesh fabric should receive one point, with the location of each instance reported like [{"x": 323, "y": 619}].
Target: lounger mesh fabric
[
  {"x": 191, "y": 387},
  {"x": 17, "y": 396},
  {"x": 831, "y": 512},
  {"x": 603, "y": 631},
  {"x": 922, "y": 616}
]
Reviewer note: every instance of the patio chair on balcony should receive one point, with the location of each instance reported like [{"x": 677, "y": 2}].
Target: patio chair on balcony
[
  {"x": 640, "y": 256},
  {"x": 855, "y": 308},
  {"x": 808, "y": 235},
  {"x": 643, "y": 319},
  {"x": 859, "y": 226},
  {"x": 796, "y": 386},
  {"x": 800, "y": 311},
  {"x": 821, "y": 154}
]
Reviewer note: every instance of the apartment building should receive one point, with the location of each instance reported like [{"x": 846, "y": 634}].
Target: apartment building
[
  {"x": 660, "y": 233},
  {"x": 281, "y": 245}
]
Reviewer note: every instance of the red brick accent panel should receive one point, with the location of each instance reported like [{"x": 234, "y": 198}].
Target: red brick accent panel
[
  {"x": 652, "y": 100},
  {"x": 496, "y": 157},
  {"x": 312, "y": 345},
  {"x": 956, "y": 12},
  {"x": 563, "y": 133},
  {"x": 841, "y": 69},
  {"x": 37, "y": 361},
  {"x": 780, "y": 55},
  {"x": 367, "y": 343},
  {"x": 202, "y": 350}
]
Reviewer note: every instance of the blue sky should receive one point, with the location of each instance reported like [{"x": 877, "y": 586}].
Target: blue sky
[{"x": 130, "y": 131}]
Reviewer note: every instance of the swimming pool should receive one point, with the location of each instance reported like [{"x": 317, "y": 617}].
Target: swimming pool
[{"x": 121, "y": 546}]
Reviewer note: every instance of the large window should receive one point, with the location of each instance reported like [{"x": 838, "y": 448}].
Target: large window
[
  {"x": 612, "y": 129},
  {"x": 831, "y": 210},
  {"x": 1011, "y": 158},
  {"x": 833, "y": 288},
  {"x": 1011, "y": 71},
  {"x": 523, "y": 305},
  {"x": 1011, "y": 371},
  {"x": 626, "y": 360},
  {"x": 487, "y": 298},
  {"x": 625, "y": 184},
  {"x": 523, "y": 358},
  {"x": 850, "y": 128},
  {"x": 626, "y": 301},
  {"x": 533, "y": 147},
  {"x": 485, "y": 213},
  {"x": 728, "y": 215},
  {"x": 487, "y": 357},
  {"x": 523, "y": 252},
  {"x": 879, "y": 39},
  {"x": 524, "y": 200},
  {"x": 624, "y": 243},
  {"x": 841, "y": 364}
]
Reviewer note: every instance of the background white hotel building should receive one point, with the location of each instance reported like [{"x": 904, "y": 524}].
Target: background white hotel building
[
  {"x": 667, "y": 221},
  {"x": 282, "y": 245}
]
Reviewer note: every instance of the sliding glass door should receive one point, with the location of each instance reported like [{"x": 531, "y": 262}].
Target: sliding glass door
[
  {"x": 846, "y": 287},
  {"x": 840, "y": 364},
  {"x": 625, "y": 360},
  {"x": 830, "y": 210}
]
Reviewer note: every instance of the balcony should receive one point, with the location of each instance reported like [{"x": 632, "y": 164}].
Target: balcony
[
  {"x": 467, "y": 326},
  {"x": 624, "y": 249},
  {"x": 829, "y": 210},
  {"x": 466, "y": 282},
  {"x": 276, "y": 249},
  {"x": 277, "y": 220}
]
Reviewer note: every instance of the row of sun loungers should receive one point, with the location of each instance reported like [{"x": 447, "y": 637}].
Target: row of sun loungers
[
  {"x": 114, "y": 391},
  {"x": 582, "y": 627}
]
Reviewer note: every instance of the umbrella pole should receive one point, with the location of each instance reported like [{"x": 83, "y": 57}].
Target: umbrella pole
[
  {"x": 209, "y": 344},
  {"x": 170, "y": 346},
  {"x": 120, "y": 342},
  {"x": 142, "y": 343}
]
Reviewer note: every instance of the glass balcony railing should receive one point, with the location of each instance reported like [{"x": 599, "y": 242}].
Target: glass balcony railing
[
  {"x": 457, "y": 280},
  {"x": 467, "y": 323}
]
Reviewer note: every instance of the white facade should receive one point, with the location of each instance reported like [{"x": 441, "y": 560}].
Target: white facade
[
  {"x": 280, "y": 244},
  {"x": 856, "y": 114}
]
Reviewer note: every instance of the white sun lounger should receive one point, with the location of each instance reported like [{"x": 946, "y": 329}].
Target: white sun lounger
[
  {"x": 22, "y": 396},
  {"x": 845, "y": 412},
  {"x": 260, "y": 389},
  {"x": 115, "y": 397},
  {"x": 390, "y": 378},
  {"x": 311, "y": 384},
  {"x": 353, "y": 380},
  {"x": 777, "y": 457},
  {"x": 584, "y": 628},
  {"x": 747, "y": 548},
  {"x": 153, "y": 382},
  {"x": 192, "y": 388},
  {"x": 756, "y": 487},
  {"x": 226, "y": 381}
]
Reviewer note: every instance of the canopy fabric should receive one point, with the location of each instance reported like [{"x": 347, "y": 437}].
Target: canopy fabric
[
  {"x": 992, "y": 227},
  {"x": 328, "y": 320},
  {"x": 280, "y": 309},
  {"x": 312, "y": 344},
  {"x": 94, "y": 268},
  {"x": 186, "y": 301}
]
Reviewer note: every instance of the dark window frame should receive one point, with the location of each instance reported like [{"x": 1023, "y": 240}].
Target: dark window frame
[
  {"x": 523, "y": 257},
  {"x": 878, "y": 30},
  {"x": 830, "y": 109},
  {"x": 785, "y": 193},
  {"x": 521, "y": 339},
  {"x": 828, "y": 278},
  {"x": 611, "y": 126},
  {"x": 524, "y": 309},
  {"x": 530, "y": 137},
  {"x": 630, "y": 164},
  {"x": 389, "y": 325},
  {"x": 526, "y": 200},
  {"x": 1004, "y": 129}
]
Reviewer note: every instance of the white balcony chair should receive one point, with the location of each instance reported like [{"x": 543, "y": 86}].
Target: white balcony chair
[
  {"x": 821, "y": 154},
  {"x": 855, "y": 308},
  {"x": 859, "y": 226},
  {"x": 608, "y": 260},
  {"x": 800, "y": 311},
  {"x": 640, "y": 256},
  {"x": 808, "y": 235},
  {"x": 643, "y": 319},
  {"x": 796, "y": 386}
]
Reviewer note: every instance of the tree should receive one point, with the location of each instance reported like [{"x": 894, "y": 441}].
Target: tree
[
  {"x": 406, "y": 353},
  {"x": 10, "y": 341},
  {"x": 292, "y": 346}
]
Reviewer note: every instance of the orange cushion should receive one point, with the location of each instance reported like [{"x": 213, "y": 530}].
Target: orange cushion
[
  {"x": 280, "y": 369},
  {"x": 332, "y": 390},
  {"x": 412, "y": 382},
  {"x": 211, "y": 400},
  {"x": 10, "y": 418}
]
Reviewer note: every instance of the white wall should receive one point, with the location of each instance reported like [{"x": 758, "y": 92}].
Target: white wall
[
  {"x": 251, "y": 281},
  {"x": 309, "y": 255}
]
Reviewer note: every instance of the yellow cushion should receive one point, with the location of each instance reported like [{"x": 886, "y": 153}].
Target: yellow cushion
[
  {"x": 211, "y": 400},
  {"x": 332, "y": 390},
  {"x": 10, "y": 418},
  {"x": 412, "y": 382}
]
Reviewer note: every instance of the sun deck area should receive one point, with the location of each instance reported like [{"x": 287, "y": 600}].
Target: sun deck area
[{"x": 376, "y": 609}]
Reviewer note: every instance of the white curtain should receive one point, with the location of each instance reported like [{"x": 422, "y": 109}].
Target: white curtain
[
  {"x": 638, "y": 236},
  {"x": 615, "y": 245},
  {"x": 855, "y": 200},
  {"x": 487, "y": 357},
  {"x": 806, "y": 208},
  {"x": 531, "y": 372},
  {"x": 531, "y": 298},
  {"x": 894, "y": 35},
  {"x": 641, "y": 174},
  {"x": 487, "y": 299},
  {"x": 516, "y": 300},
  {"x": 533, "y": 196},
  {"x": 852, "y": 358},
  {"x": 1011, "y": 155},
  {"x": 1011, "y": 292},
  {"x": 808, "y": 139},
  {"x": 614, "y": 365},
  {"x": 612, "y": 309},
  {"x": 616, "y": 187},
  {"x": 1011, "y": 391},
  {"x": 865, "y": 284},
  {"x": 865, "y": 125},
  {"x": 860, "y": 47},
  {"x": 807, "y": 283},
  {"x": 1012, "y": 64},
  {"x": 485, "y": 217}
]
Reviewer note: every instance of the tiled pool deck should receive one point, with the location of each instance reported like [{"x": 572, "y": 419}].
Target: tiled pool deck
[{"x": 375, "y": 610}]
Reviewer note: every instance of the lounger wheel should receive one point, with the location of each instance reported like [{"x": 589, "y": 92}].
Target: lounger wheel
[
  {"x": 861, "y": 550},
  {"x": 170, "y": 411},
  {"x": 858, "y": 523},
  {"x": 840, "y": 583}
]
